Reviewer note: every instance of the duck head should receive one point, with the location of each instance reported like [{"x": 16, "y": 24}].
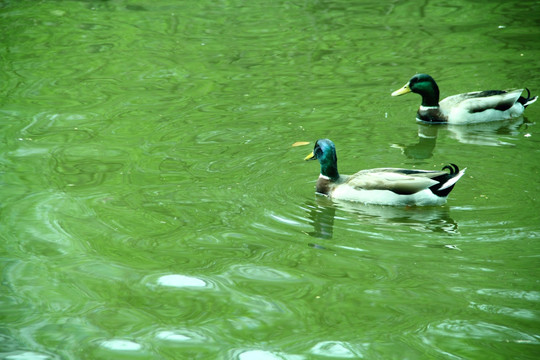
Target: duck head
[
  {"x": 424, "y": 85},
  {"x": 325, "y": 152}
]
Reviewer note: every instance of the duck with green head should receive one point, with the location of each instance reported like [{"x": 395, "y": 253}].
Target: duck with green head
[
  {"x": 467, "y": 108},
  {"x": 382, "y": 186}
]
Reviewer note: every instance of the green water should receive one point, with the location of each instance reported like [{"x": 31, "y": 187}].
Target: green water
[{"x": 153, "y": 206}]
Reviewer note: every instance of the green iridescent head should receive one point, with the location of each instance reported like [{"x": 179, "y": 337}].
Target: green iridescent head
[
  {"x": 325, "y": 152},
  {"x": 424, "y": 85}
]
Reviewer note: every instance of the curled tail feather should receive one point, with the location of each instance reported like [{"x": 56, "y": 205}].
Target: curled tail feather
[
  {"x": 526, "y": 101},
  {"x": 447, "y": 182}
]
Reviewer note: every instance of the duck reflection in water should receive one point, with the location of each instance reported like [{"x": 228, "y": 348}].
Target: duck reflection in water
[
  {"x": 322, "y": 215},
  {"x": 423, "y": 149},
  {"x": 484, "y": 134}
]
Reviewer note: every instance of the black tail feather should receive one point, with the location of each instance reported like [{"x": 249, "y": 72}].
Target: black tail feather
[
  {"x": 453, "y": 171},
  {"x": 526, "y": 101}
]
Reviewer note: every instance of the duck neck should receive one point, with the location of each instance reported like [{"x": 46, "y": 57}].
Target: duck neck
[
  {"x": 431, "y": 99},
  {"x": 429, "y": 92},
  {"x": 329, "y": 171}
]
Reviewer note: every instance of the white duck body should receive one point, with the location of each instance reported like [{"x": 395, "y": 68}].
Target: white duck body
[
  {"x": 390, "y": 186},
  {"x": 386, "y": 197},
  {"x": 481, "y": 106}
]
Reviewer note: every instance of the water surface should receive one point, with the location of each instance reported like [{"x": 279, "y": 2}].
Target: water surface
[{"x": 153, "y": 205}]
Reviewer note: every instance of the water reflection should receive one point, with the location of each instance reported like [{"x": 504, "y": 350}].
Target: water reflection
[
  {"x": 489, "y": 134},
  {"x": 485, "y": 134},
  {"x": 423, "y": 149},
  {"x": 26, "y": 355},
  {"x": 322, "y": 214},
  {"x": 121, "y": 345},
  {"x": 423, "y": 219},
  {"x": 471, "y": 329},
  {"x": 338, "y": 349},
  {"x": 180, "y": 281},
  {"x": 258, "y": 355}
]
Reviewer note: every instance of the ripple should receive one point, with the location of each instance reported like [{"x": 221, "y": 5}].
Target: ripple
[
  {"x": 511, "y": 294},
  {"x": 262, "y": 273},
  {"x": 180, "y": 281},
  {"x": 43, "y": 123},
  {"x": 504, "y": 310},
  {"x": 43, "y": 213},
  {"x": 27, "y": 355},
  {"x": 253, "y": 284},
  {"x": 282, "y": 223},
  {"x": 258, "y": 355},
  {"x": 336, "y": 349},
  {"x": 121, "y": 345},
  {"x": 84, "y": 166},
  {"x": 177, "y": 281},
  {"x": 480, "y": 330},
  {"x": 172, "y": 336}
]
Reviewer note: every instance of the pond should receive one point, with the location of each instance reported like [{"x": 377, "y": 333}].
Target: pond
[{"x": 153, "y": 206}]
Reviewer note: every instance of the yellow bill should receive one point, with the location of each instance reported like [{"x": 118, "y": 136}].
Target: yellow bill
[
  {"x": 404, "y": 90},
  {"x": 310, "y": 156}
]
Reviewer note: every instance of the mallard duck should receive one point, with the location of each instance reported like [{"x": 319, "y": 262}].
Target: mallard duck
[
  {"x": 472, "y": 107},
  {"x": 383, "y": 186}
]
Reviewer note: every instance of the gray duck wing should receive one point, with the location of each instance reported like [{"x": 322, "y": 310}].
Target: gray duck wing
[{"x": 400, "y": 181}]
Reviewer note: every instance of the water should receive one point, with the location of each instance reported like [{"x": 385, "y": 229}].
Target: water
[{"x": 153, "y": 205}]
